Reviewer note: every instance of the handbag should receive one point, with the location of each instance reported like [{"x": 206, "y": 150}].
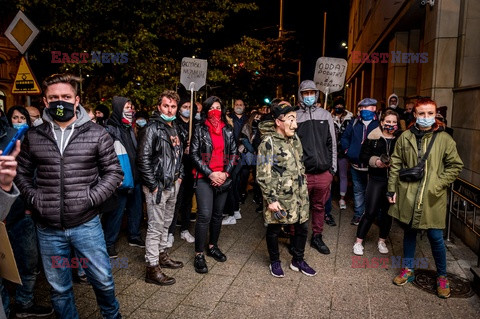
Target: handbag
[
  {"x": 224, "y": 187},
  {"x": 416, "y": 173}
]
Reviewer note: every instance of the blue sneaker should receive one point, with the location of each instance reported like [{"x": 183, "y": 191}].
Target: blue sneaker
[
  {"x": 303, "y": 267},
  {"x": 276, "y": 269}
]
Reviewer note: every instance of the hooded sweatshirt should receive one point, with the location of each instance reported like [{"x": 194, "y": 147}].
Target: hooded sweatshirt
[
  {"x": 123, "y": 133},
  {"x": 62, "y": 136},
  {"x": 317, "y": 134}
]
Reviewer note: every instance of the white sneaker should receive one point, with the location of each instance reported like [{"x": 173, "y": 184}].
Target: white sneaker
[
  {"x": 185, "y": 235},
  {"x": 342, "y": 204},
  {"x": 170, "y": 241},
  {"x": 237, "y": 214},
  {"x": 382, "y": 247},
  {"x": 229, "y": 220},
  {"x": 358, "y": 249}
]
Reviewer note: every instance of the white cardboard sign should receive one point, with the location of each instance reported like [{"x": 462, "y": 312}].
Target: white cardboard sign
[
  {"x": 330, "y": 74},
  {"x": 193, "y": 74}
]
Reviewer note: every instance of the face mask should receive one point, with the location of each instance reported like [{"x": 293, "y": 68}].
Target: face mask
[
  {"x": 18, "y": 125},
  {"x": 339, "y": 110},
  {"x": 367, "y": 115},
  {"x": 128, "y": 115},
  {"x": 214, "y": 114},
  {"x": 425, "y": 122},
  {"x": 168, "y": 118},
  {"x": 198, "y": 116},
  {"x": 61, "y": 111},
  {"x": 141, "y": 123},
  {"x": 239, "y": 110},
  {"x": 255, "y": 123},
  {"x": 393, "y": 106},
  {"x": 390, "y": 128},
  {"x": 185, "y": 113},
  {"x": 37, "y": 122},
  {"x": 309, "y": 100}
]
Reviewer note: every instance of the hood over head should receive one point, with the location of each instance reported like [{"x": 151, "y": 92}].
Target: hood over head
[
  {"x": 118, "y": 103},
  {"x": 395, "y": 96},
  {"x": 307, "y": 85}
]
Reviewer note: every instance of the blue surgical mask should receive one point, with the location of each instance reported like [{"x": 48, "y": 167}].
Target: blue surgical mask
[
  {"x": 367, "y": 115},
  {"x": 17, "y": 126},
  {"x": 309, "y": 100},
  {"x": 141, "y": 123},
  {"x": 185, "y": 113},
  {"x": 168, "y": 118},
  {"x": 425, "y": 122}
]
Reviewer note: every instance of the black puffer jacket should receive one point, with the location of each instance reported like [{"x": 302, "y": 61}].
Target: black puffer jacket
[
  {"x": 68, "y": 187},
  {"x": 201, "y": 149},
  {"x": 159, "y": 161}
]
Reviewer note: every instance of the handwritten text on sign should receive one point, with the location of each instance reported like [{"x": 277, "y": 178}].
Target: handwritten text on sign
[
  {"x": 330, "y": 74},
  {"x": 193, "y": 73}
]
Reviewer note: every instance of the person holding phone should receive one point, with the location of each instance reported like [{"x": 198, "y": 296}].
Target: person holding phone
[
  {"x": 422, "y": 204},
  {"x": 376, "y": 152},
  {"x": 281, "y": 177}
]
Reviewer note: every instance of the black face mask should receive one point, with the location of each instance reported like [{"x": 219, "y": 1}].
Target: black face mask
[
  {"x": 61, "y": 111},
  {"x": 338, "y": 110},
  {"x": 255, "y": 123}
]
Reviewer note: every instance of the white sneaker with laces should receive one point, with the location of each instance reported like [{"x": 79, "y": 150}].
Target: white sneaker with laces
[
  {"x": 237, "y": 214},
  {"x": 358, "y": 249},
  {"x": 229, "y": 220},
  {"x": 185, "y": 235},
  {"x": 170, "y": 240},
  {"x": 382, "y": 247},
  {"x": 342, "y": 204}
]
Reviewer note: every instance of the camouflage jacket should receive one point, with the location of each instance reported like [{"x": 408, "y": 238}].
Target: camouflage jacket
[{"x": 281, "y": 175}]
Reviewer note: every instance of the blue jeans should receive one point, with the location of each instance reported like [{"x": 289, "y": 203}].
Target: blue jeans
[
  {"x": 439, "y": 252},
  {"x": 23, "y": 239},
  {"x": 88, "y": 242},
  {"x": 359, "y": 179},
  {"x": 113, "y": 220}
]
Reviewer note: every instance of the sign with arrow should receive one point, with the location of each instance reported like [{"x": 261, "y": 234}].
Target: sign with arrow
[{"x": 25, "y": 82}]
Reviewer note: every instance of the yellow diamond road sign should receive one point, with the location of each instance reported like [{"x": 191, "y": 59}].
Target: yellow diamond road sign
[
  {"x": 21, "y": 32},
  {"x": 25, "y": 82}
]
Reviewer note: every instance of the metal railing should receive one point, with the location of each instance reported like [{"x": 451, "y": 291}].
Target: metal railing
[{"x": 464, "y": 205}]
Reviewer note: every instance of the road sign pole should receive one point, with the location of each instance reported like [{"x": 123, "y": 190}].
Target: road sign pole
[{"x": 27, "y": 98}]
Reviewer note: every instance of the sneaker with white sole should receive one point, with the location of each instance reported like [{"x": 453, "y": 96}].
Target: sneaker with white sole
[
  {"x": 237, "y": 214},
  {"x": 185, "y": 235},
  {"x": 382, "y": 247},
  {"x": 170, "y": 240},
  {"x": 358, "y": 249},
  {"x": 229, "y": 220},
  {"x": 342, "y": 204}
]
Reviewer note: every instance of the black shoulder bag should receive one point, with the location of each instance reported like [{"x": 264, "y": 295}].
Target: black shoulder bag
[{"x": 416, "y": 173}]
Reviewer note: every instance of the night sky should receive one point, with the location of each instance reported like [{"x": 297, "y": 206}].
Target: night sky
[{"x": 305, "y": 19}]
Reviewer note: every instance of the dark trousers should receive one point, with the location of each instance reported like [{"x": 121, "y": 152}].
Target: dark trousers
[
  {"x": 318, "y": 192},
  {"x": 297, "y": 241},
  {"x": 183, "y": 206},
  {"x": 209, "y": 214},
  {"x": 376, "y": 204}
]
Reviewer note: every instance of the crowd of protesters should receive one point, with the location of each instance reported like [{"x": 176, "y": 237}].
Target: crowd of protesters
[{"x": 81, "y": 169}]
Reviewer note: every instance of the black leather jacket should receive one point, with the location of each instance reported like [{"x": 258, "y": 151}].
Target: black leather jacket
[
  {"x": 201, "y": 149},
  {"x": 158, "y": 162}
]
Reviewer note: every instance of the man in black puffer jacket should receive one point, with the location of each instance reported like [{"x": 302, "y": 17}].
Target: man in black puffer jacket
[{"x": 76, "y": 170}]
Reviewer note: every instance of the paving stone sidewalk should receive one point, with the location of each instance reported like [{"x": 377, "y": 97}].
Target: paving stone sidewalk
[{"x": 242, "y": 287}]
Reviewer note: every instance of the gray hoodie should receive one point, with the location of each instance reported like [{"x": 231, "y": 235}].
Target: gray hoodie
[{"x": 62, "y": 136}]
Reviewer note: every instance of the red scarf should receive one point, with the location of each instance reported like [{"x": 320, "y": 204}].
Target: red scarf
[{"x": 214, "y": 122}]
